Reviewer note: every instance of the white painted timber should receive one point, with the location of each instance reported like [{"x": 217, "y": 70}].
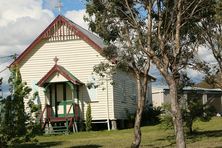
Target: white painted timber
[
  {"x": 77, "y": 57},
  {"x": 125, "y": 94}
]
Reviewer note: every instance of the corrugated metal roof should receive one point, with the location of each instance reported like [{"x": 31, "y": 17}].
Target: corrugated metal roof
[
  {"x": 198, "y": 90},
  {"x": 95, "y": 38},
  {"x": 202, "y": 89}
]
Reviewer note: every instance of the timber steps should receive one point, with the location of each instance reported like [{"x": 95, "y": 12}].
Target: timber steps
[{"x": 52, "y": 124}]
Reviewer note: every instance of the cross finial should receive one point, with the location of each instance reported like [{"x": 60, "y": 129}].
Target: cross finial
[
  {"x": 59, "y": 6},
  {"x": 55, "y": 60}
]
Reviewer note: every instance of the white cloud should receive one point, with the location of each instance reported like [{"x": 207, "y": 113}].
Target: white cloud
[
  {"x": 5, "y": 75},
  {"x": 11, "y": 10},
  {"x": 195, "y": 75},
  {"x": 51, "y": 4},
  {"x": 206, "y": 54},
  {"x": 77, "y": 17},
  {"x": 21, "y": 21}
]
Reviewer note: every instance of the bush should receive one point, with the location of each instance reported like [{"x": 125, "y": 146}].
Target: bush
[
  {"x": 130, "y": 118},
  {"x": 193, "y": 111},
  {"x": 196, "y": 110},
  {"x": 88, "y": 118},
  {"x": 166, "y": 118},
  {"x": 151, "y": 115}
]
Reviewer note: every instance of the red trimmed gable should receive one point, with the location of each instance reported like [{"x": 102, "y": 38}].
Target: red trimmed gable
[
  {"x": 54, "y": 32},
  {"x": 56, "y": 68}
]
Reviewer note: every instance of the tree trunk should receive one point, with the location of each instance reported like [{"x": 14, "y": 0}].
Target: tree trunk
[
  {"x": 191, "y": 128},
  {"x": 141, "y": 93},
  {"x": 177, "y": 117}
]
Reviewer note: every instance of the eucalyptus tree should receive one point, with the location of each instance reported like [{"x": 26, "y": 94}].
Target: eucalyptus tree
[
  {"x": 212, "y": 29},
  {"x": 138, "y": 32}
]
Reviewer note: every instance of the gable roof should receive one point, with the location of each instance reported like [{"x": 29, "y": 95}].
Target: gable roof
[
  {"x": 92, "y": 39},
  {"x": 61, "y": 70},
  {"x": 89, "y": 34}
]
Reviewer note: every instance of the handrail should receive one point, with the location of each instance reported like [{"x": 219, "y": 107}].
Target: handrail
[
  {"x": 69, "y": 109},
  {"x": 41, "y": 115}
]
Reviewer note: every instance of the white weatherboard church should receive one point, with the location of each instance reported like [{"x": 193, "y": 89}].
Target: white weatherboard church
[{"x": 59, "y": 64}]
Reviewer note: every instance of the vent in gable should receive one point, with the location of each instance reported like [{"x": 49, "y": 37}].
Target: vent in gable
[{"x": 60, "y": 31}]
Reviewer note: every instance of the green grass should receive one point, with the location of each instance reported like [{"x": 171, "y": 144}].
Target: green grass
[{"x": 208, "y": 134}]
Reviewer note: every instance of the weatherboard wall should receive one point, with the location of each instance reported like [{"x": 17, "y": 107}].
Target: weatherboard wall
[
  {"x": 77, "y": 57},
  {"x": 125, "y": 94}
]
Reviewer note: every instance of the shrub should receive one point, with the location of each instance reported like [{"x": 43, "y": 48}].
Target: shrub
[
  {"x": 193, "y": 111},
  {"x": 196, "y": 110},
  {"x": 88, "y": 118},
  {"x": 130, "y": 118},
  {"x": 166, "y": 118},
  {"x": 151, "y": 115}
]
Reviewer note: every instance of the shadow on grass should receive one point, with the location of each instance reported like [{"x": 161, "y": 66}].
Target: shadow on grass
[
  {"x": 38, "y": 145},
  {"x": 170, "y": 139},
  {"x": 86, "y": 146},
  {"x": 198, "y": 135},
  {"x": 214, "y": 133}
]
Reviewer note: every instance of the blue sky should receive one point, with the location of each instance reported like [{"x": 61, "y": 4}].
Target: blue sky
[
  {"x": 67, "y": 5},
  {"x": 23, "y": 21}
]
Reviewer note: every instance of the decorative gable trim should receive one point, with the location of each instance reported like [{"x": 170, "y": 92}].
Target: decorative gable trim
[
  {"x": 48, "y": 32},
  {"x": 61, "y": 70}
]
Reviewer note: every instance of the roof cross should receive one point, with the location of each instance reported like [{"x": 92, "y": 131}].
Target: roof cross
[
  {"x": 59, "y": 6},
  {"x": 55, "y": 60}
]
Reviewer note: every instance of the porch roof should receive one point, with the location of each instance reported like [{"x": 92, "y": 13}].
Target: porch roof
[{"x": 61, "y": 70}]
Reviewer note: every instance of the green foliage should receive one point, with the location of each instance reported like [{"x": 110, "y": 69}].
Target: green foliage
[
  {"x": 166, "y": 117},
  {"x": 88, "y": 118},
  {"x": 151, "y": 115},
  {"x": 130, "y": 116},
  {"x": 19, "y": 92},
  {"x": 193, "y": 111},
  {"x": 213, "y": 41},
  {"x": 34, "y": 108},
  {"x": 1, "y": 97},
  {"x": 33, "y": 126},
  {"x": 15, "y": 121},
  {"x": 196, "y": 110},
  {"x": 208, "y": 136},
  {"x": 165, "y": 33}
]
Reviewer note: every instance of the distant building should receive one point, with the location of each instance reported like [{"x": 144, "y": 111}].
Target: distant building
[{"x": 161, "y": 96}]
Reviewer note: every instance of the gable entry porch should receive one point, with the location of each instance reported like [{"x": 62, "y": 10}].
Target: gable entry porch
[{"x": 61, "y": 112}]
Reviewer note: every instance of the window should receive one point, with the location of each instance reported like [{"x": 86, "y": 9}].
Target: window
[
  {"x": 92, "y": 87},
  {"x": 123, "y": 90},
  {"x": 133, "y": 92}
]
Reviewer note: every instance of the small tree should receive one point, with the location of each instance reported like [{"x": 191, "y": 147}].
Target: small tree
[
  {"x": 196, "y": 110},
  {"x": 14, "y": 120},
  {"x": 88, "y": 118},
  {"x": 33, "y": 126},
  {"x": 192, "y": 107},
  {"x": 193, "y": 111}
]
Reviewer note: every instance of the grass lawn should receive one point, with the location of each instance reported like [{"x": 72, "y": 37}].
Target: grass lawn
[{"x": 209, "y": 134}]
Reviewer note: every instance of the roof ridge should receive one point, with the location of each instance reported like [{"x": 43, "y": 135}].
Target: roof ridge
[
  {"x": 81, "y": 27},
  {"x": 93, "y": 40}
]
